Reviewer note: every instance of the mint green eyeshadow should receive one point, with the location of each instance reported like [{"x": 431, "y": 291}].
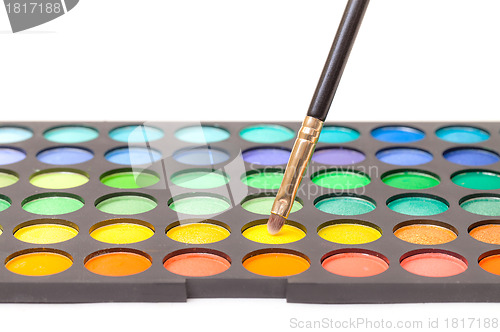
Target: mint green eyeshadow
[
  {"x": 345, "y": 206},
  {"x": 199, "y": 205},
  {"x": 264, "y": 179},
  {"x": 485, "y": 206},
  {"x": 200, "y": 179},
  {"x": 418, "y": 206},
  {"x": 202, "y": 134},
  {"x": 341, "y": 180},
  {"x": 410, "y": 180},
  {"x": 267, "y": 133},
  {"x": 263, "y": 205},
  {"x": 479, "y": 180},
  {"x": 126, "y": 204},
  {"x": 52, "y": 205},
  {"x": 4, "y": 203},
  {"x": 71, "y": 134}
]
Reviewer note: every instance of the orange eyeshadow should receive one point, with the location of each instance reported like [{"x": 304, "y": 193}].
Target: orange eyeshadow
[
  {"x": 487, "y": 233},
  {"x": 39, "y": 264},
  {"x": 118, "y": 264},
  {"x": 197, "y": 264},
  {"x": 491, "y": 264},
  {"x": 276, "y": 264},
  {"x": 425, "y": 234}
]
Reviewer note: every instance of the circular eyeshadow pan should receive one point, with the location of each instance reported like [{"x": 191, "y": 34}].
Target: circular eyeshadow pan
[
  {"x": 200, "y": 179},
  {"x": 398, "y": 134},
  {"x": 52, "y": 203},
  {"x": 486, "y": 232},
  {"x": 410, "y": 179},
  {"x": 349, "y": 232},
  {"x": 202, "y": 134},
  {"x": 433, "y": 264},
  {"x": 128, "y": 178},
  {"x": 11, "y": 134},
  {"x": 126, "y": 203},
  {"x": 199, "y": 204},
  {"x": 262, "y": 204},
  {"x": 482, "y": 205},
  {"x": 11, "y": 155},
  {"x": 59, "y": 178},
  {"x": 337, "y": 156},
  {"x": 417, "y": 205},
  {"x": 45, "y": 231},
  {"x": 337, "y": 135},
  {"x": 462, "y": 134},
  {"x": 118, "y": 262},
  {"x": 404, "y": 156},
  {"x": 425, "y": 234},
  {"x": 197, "y": 232},
  {"x": 266, "y": 156},
  {"x": 196, "y": 264},
  {"x": 201, "y": 156},
  {"x": 290, "y": 232},
  {"x": 71, "y": 134},
  {"x": 39, "y": 263},
  {"x": 263, "y": 178},
  {"x": 136, "y": 134},
  {"x": 276, "y": 263},
  {"x": 345, "y": 205},
  {"x": 8, "y": 178},
  {"x": 477, "y": 179},
  {"x": 490, "y": 262},
  {"x": 122, "y": 231},
  {"x": 267, "y": 133},
  {"x": 471, "y": 156},
  {"x": 64, "y": 155},
  {"x": 340, "y": 179},
  {"x": 5, "y": 203},
  {"x": 355, "y": 264},
  {"x": 133, "y": 155}
]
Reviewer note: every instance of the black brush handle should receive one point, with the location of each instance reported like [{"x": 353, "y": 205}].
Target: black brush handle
[{"x": 337, "y": 59}]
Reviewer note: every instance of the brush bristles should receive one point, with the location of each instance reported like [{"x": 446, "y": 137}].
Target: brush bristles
[{"x": 275, "y": 223}]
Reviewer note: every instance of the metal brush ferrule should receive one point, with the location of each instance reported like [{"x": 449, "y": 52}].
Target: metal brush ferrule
[{"x": 303, "y": 149}]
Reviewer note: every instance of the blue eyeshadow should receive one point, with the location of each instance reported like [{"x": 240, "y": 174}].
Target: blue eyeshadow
[
  {"x": 133, "y": 156},
  {"x": 462, "y": 134},
  {"x": 201, "y": 156},
  {"x": 404, "y": 156},
  {"x": 471, "y": 156},
  {"x": 11, "y": 155},
  {"x": 65, "y": 155},
  {"x": 398, "y": 134}
]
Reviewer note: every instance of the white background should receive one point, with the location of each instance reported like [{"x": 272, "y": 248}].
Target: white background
[{"x": 226, "y": 60}]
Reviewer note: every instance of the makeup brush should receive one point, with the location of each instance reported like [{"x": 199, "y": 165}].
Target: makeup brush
[{"x": 308, "y": 135}]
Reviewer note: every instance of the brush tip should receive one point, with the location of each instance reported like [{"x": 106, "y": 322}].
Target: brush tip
[{"x": 275, "y": 223}]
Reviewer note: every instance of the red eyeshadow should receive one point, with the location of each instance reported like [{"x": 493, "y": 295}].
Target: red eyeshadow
[{"x": 197, "y": 264}]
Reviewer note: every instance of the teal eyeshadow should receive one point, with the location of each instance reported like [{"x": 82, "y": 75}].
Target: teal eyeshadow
[
  {"x": 202, "y": 134},
  {"x": 71, "y": 134},
  {"x": 345, "y": 206},
  {"x": 136, "y": 134},
  {"x": 418, "y": 206},
  {"x": 485, "y": 206},
  {"x": 334, "y": 134},
  {"x": 267, "y": 133},
  {"x": 462, "y": 134},
  {"x": 14, "y": 134}
]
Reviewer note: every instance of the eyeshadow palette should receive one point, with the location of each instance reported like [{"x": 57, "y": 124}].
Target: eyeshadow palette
[{"x": 102, "y": 212}]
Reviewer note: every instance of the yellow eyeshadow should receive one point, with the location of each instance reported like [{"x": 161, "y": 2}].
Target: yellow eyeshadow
[
  {"x": 198, "y": 233},
  {"x": 122, "y": 233},
  {"x": 39, "y": 264},
  {"x": 287, "y": 234},
  {"x": 349, "y": 233},
  {"x": 45, "y": 233}
]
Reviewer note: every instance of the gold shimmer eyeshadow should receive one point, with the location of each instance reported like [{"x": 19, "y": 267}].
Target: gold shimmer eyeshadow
[
  {"x": 198, "y": 231},
  {"x": 487, "y": 233},
  {"x": 426, "y": 234}
]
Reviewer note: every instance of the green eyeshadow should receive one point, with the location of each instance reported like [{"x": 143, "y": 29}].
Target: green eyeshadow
[
  {"x": 340, "y": 179},
  {"x": 128, "y": 178},
  {"x": 417, "y": 205},
  {"x": 126, "y": 203},
  {"x": 410, "y": 179},
  {"x": 263, "y": 179},
  {"x": 52, "y": 203},
  {"x": 477, "y": 179},
  {"x": 198, "y": 204},
  {"x": 262, "y": 204},
  {"x": 5, "y": 203},
  {"x": 345, "y": 205},
  {"x": 200, "y": 179},
  {"x": 482, "y": 205}
]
